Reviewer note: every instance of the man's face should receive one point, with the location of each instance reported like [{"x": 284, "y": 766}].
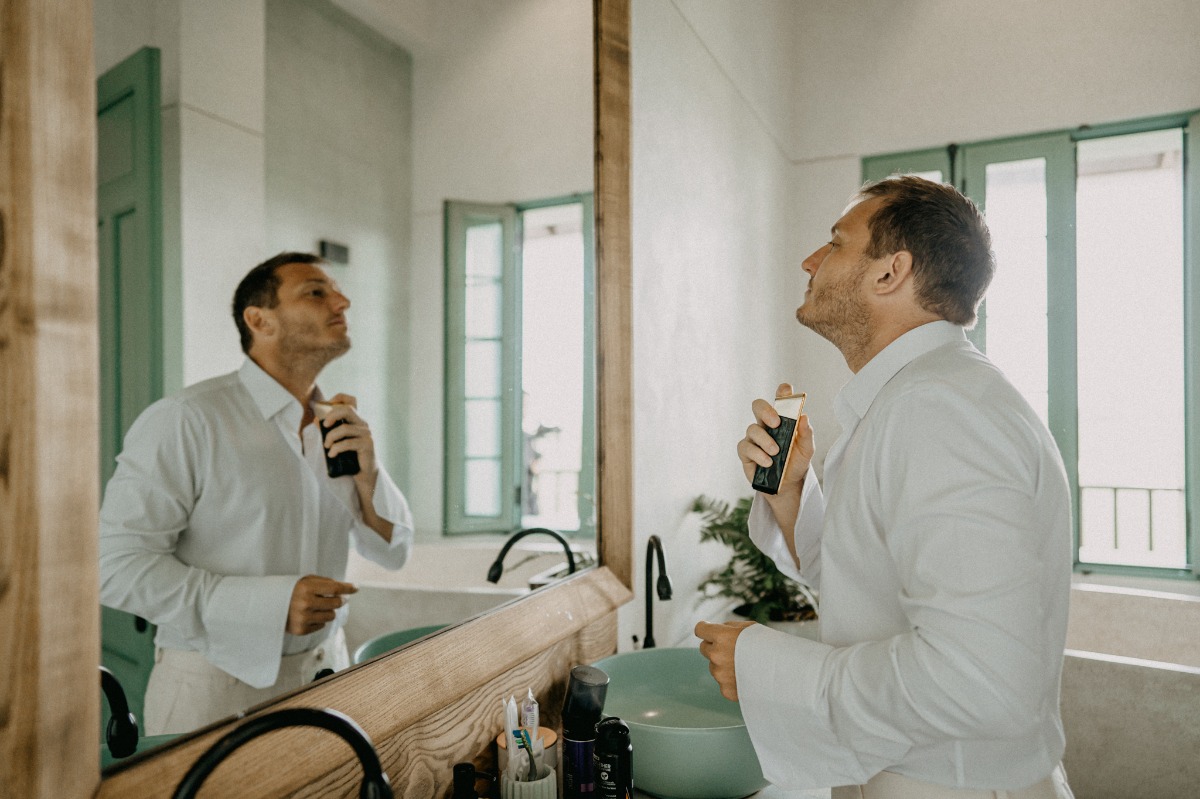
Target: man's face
[
  {"x": 835, "y": 302},
  {"x": 310, "y": 314}
]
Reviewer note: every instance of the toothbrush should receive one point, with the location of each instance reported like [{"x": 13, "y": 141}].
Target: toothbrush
[{"x": 528, "y": 747}]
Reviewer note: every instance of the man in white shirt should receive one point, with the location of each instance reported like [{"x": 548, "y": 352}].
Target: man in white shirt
[
  {"x": 941, "y": 543},
  {"x": 222, "y": 525}
]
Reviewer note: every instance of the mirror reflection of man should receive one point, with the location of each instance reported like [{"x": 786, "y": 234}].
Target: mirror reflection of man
[
  {"x": 221, "y": 525},
  {"x": 940, "y": 538}
]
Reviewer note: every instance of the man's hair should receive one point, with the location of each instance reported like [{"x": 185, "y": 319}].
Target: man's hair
[
  {"x": 260, "y": 289},
  {"x": 947, "y": 236}
]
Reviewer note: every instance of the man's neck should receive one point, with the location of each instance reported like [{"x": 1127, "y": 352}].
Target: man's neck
[
  {"x": 298, "y": 379},
  {"x": 882, "y": 337}
]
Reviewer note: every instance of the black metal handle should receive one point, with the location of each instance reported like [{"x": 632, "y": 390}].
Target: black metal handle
[{"x": 375, "y": 782}]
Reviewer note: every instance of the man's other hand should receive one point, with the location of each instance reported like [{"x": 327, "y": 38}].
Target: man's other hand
[
  {"x": 314, "y": 600},
  {"x": 717, "y": 643}
]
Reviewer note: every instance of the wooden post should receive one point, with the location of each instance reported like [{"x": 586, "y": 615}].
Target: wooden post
[
  {"x": 614, "y": 296},
  {"x": 49, "y": 620}
]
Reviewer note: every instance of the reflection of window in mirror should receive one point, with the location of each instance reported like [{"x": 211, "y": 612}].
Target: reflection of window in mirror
[
  {"x": 1099, "y": 356},
  {"x": 520, "y": 406}
]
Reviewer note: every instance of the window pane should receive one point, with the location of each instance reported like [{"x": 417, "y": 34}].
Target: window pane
[
  {"x": 485, "y": 257},
  {"x": 483, "y": 488},
  {"x": 483, "y": 428},
  {"x": 483, "y": 308},
  {"x": 1016, "y": 301},
  {"x": 552, "y": 361},
  {"x": 1129, "y": 212},
  {"x": 483, "y": 369}
]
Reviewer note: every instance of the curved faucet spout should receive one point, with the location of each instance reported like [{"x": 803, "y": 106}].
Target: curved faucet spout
[
  {"x": 663, "y": 587},
  {"x": 375, "y": 782},
  {"x": 121, "y": 734},
  {"x": 497, "y": 567}
]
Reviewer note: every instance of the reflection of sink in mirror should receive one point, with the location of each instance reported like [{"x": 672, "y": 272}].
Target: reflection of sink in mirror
[{"x": 446, "y": 583}]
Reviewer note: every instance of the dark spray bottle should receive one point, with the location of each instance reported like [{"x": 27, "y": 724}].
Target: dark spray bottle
[
  {"x": 613, "y": 759},
  {"x": 580, "y": 714},
  {"x": 344, "y": 463}
]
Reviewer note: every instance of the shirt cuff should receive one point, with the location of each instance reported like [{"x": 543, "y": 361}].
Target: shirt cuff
[
  {"x": 389, "y": 503},
  {"x": 784, "y": 703},
  {"x": 248, "y": 645}
]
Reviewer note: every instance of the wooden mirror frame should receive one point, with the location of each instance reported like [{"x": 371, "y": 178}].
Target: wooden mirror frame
[{"x": 425, "y": 708}]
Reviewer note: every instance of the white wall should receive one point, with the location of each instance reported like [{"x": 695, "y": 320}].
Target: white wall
[
  {"x": 714, "y": 280},
  {"x": 502, "y": 110},
  {"x": 338, "y": 167},
  {"x": 213, "y": 85}
]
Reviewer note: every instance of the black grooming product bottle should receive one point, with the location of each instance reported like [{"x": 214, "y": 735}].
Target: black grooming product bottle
[
  {"x": 344, "y": 463},
  {"x": 580, "y": 714},
  {"x": 768, "y": 478},
  {"x": 612, "y": 757}
]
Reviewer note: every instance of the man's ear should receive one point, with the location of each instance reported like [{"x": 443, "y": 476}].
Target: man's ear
[
  {"x": 896, "y": 270},
  {"x": 260, "y": 321}
]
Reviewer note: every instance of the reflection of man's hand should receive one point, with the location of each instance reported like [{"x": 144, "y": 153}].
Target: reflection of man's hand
[
  {"x": 353, "y": 436},
  {"x": 717, "y": 643},
  {"x": 314, "y": 600}
]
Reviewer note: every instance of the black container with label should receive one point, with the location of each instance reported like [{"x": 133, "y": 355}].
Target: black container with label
[{"x": 612, "y": 756}]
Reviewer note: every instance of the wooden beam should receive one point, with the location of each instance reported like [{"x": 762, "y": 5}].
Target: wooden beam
[
  {"x": 425, "y": 707},
  {"x": 614, "y": 294},
  {"x": 50, "y": 635}
]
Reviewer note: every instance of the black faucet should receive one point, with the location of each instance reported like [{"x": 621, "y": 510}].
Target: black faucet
[
  {"x": 121, "y": 734},
  {"x": 497, "y": 568},
  {"x": 375, "y": 782},
  {"x": 654, "y": 545}
]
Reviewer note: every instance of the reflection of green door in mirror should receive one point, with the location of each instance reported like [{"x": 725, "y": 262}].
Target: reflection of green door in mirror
[
  {"x": 129, "y": 210},
  {"x": 520, "y": 367}
]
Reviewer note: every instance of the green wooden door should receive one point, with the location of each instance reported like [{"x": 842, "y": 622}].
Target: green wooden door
[{"x": 129, "y": 208}]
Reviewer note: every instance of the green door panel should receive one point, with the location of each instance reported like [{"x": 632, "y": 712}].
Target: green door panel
[{"x": 129, "y": 210}]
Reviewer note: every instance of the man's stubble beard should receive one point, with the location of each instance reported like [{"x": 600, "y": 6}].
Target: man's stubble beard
[
  {"x": 843, "y": 318},
  {"x": 313, "y": 358}
]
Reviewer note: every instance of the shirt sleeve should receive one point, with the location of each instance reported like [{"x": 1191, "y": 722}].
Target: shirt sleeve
[
  {"x": 766, "y": 535},
  {"x": 969, "y": 538},
  {"x": 391, "y": 505},
  {"x": 147, "y": 504}
]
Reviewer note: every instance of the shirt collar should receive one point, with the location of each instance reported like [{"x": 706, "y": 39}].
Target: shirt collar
[
  {"x": 855, "y": 398},
  {"x": 270, "y": 397}
]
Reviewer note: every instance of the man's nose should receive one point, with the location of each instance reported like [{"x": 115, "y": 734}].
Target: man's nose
[
  {"x": 340, "y": 301},
  {"x": 813, "y": 262}
]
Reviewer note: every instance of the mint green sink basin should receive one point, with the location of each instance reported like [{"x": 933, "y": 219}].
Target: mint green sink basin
[{"x": 689, "y": 742}]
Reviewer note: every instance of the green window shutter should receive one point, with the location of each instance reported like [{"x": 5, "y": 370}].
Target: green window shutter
[
  {"x": 1191, "y": 330},
  {"x": 482, "y": 431},
  {"x": 1056, "y": 154},
  {"x": 589, "y": 503}
]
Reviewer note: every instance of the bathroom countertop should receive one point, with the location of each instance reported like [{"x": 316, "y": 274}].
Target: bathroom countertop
[{"x": 770, "y": 792}]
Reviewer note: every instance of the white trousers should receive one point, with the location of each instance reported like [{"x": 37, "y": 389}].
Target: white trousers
[
  {"x": 888, "y": 785},
  {"x": 187, "y": 692}
]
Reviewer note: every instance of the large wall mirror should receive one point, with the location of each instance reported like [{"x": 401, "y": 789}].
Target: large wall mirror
[{"x": 449, "y": 146}]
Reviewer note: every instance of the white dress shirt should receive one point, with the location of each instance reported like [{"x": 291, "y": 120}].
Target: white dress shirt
[
  {"x": 217, "y": 508},
  {"x": 942, "y": 551}
]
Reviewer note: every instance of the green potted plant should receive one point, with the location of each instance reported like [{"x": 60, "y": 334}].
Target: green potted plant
[{"x": 767, "y": 595}]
